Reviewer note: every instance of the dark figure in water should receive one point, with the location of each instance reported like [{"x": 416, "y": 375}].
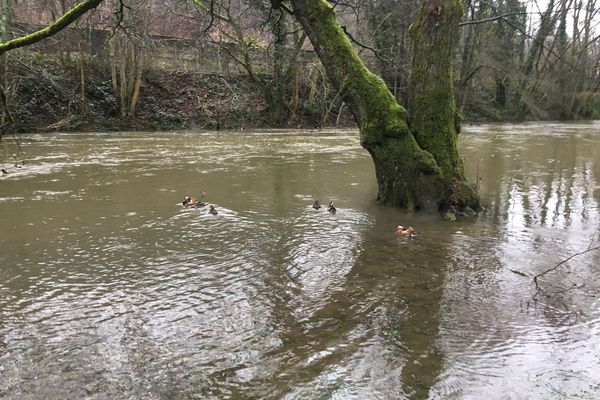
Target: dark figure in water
[
  {"x": 212, "y": 210},
  {"x": 316, "y": 205},
  {"x": 331, "y": 208},
  {"x": 4, "y": 172}
]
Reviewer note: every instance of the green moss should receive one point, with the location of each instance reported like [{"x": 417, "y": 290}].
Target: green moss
[
  {"x": 69, "y": 17},
  {"x": 433, "y": 118},
  {"x": 449, "y": 216}
]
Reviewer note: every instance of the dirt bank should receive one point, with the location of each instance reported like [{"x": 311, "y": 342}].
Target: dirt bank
[{"x": 44, "y": 95}]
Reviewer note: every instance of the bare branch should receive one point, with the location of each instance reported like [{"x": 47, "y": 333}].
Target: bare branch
[
  {"x": 483, "y": 21},
  {"x": 535, "y": 278},
  {"x": 212, "y": 16},
  {"x": 353, "y": 40}
]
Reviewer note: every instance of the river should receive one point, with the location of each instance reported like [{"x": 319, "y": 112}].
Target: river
[{"x": 109, "y": 289}]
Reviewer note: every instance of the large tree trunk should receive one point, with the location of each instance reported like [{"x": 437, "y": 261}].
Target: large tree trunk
[
  {"x": 407, "y": 175},
  {"x": 433, "y": 117}
]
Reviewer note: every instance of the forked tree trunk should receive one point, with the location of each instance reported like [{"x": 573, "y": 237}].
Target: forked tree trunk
[
  {"x": 407, "y": 175},
  {"x": 139, "y": 66},
  {"x": 127, "y": 65}
]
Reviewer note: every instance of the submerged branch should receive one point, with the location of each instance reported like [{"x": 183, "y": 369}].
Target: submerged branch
[{"x": 535, "y": 278}]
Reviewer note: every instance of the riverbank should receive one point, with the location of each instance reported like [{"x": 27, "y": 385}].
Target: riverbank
[{"x": 44, "y": 95}]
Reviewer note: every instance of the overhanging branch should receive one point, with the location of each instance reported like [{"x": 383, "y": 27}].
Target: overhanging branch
[{"x": 68, "y": 18}]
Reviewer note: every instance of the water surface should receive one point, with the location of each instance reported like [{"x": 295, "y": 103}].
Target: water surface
[{"x": 110, "y": 289}]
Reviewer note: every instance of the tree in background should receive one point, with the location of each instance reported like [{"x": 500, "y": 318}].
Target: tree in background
[
  {"x": 491, "y": 68},
  {"x": 5, "y": 117},
  {"x": 266, "y": 44},
  {"x": 583, "y": 71},
  {"x": 513, "y": 62},
  {"x": 388, "y": 24},
  {"x": 534, "y": 69},
  {"x": 128, "y": 47}
]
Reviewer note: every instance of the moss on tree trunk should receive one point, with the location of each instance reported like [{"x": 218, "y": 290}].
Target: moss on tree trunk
[
  {"x": 408, "y": 176},
  {"x": 69, "y": 17},
  {"x": 433, "y": 116}
]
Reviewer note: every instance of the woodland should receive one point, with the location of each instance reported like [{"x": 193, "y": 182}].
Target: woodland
[
  {"x": 228, "y": 63},
  {"x": 427, "y": 66}
]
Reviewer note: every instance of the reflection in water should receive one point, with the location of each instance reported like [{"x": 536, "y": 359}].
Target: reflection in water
[{"x": 109, "y": 289}]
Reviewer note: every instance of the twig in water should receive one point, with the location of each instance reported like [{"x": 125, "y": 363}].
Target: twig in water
[{"x": 535, "y": 278}]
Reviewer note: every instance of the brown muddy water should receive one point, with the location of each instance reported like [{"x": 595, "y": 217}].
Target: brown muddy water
[{"x": 109, "y": 289}]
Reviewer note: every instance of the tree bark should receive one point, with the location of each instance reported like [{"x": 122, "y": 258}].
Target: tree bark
[
  {"x": 139, "y": 66},
  {"x": 294, "y": 78},
  {"x": 4, "y": 21},
  {"x": 278, "y": 32},
  {"x": 81, "y": 75},
  {"x": 433, "y": 117},
  {"x": 123, "y": 79},
  {"x": 114, "y": 75},
  {"x": 407, "y": 175}
]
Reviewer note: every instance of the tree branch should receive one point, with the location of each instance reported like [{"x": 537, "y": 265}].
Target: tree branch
[
  {"x": 483, "y": 21},
  {"x": 364, "y": 46},
  {"x": 69, "y": 17}
]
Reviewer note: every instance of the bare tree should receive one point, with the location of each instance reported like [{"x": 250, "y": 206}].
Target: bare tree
[{"x": 127, "y": 50}]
